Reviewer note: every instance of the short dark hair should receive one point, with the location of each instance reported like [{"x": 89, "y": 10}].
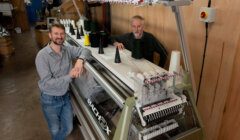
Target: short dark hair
[{"x": 58, "y": 25}]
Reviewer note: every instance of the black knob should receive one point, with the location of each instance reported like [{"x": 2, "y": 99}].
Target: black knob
[
  {"x": 78, "y": 34},
  {"x": 100, "y": 51},
  {"x": 117, "y": 57}
]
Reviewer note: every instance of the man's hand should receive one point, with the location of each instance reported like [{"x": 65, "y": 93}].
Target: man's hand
[
  {"x": 120, "y": 46},
  {"x": 78, "y": 69},
  {"x": 73, "y": 73}
]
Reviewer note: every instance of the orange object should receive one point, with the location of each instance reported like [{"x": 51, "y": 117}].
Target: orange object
[{"x": 203, "y": 15}]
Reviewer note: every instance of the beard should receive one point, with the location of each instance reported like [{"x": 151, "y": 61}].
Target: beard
[
  {"x": 137, "y": 35},
  {"x": 58, "y": 41}
]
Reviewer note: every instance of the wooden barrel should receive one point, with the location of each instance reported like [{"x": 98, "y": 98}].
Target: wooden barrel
[
  {"x": 41, "y": 37},
  {"x": 6, "y": 48}
]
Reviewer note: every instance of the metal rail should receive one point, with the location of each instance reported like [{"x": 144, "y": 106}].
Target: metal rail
[
  {"x": 89, "y": 115},
  {"x": 184, "y": 48},
  {"x": 110, "y": 90}
]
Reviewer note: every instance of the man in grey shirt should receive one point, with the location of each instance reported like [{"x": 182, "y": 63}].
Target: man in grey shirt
[{"x": 54, "y": 66}]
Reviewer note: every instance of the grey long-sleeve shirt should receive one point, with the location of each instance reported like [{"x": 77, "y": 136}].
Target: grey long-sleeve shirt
[{"x": 54, "y": 68}]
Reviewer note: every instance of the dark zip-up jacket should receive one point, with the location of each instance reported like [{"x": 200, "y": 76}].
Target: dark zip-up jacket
[{"x": 144, "y": 47}]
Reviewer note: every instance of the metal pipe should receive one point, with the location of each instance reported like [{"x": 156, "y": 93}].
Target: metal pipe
[
  {"x": 126, "y": 91},
  {"x": 184, "y": 47},
  {"x": 77, "y": 9}
]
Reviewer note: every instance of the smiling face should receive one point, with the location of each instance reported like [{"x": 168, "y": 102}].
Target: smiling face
[
  {"x": 57, "y": 35},
  {"x": 137, "y": 27}
]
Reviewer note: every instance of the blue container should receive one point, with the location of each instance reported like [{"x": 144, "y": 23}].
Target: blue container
[{"x": 32, "y": 9}]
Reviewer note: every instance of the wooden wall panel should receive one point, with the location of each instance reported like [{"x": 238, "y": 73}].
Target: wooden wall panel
[
  {"x": 120, "y": 23},
  {"x": 231, "y": 117},
  {"x": 217, "y": 73}
]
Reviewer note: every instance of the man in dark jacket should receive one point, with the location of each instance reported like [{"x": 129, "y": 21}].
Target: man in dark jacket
[{"x": 142, "y": 44}]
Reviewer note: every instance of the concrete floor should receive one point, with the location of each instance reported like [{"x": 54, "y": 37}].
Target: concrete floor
[{"x": 21, "y": 117}]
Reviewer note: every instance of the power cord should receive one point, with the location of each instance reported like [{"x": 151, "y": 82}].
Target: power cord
[{"x": 204, "y": 53}]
